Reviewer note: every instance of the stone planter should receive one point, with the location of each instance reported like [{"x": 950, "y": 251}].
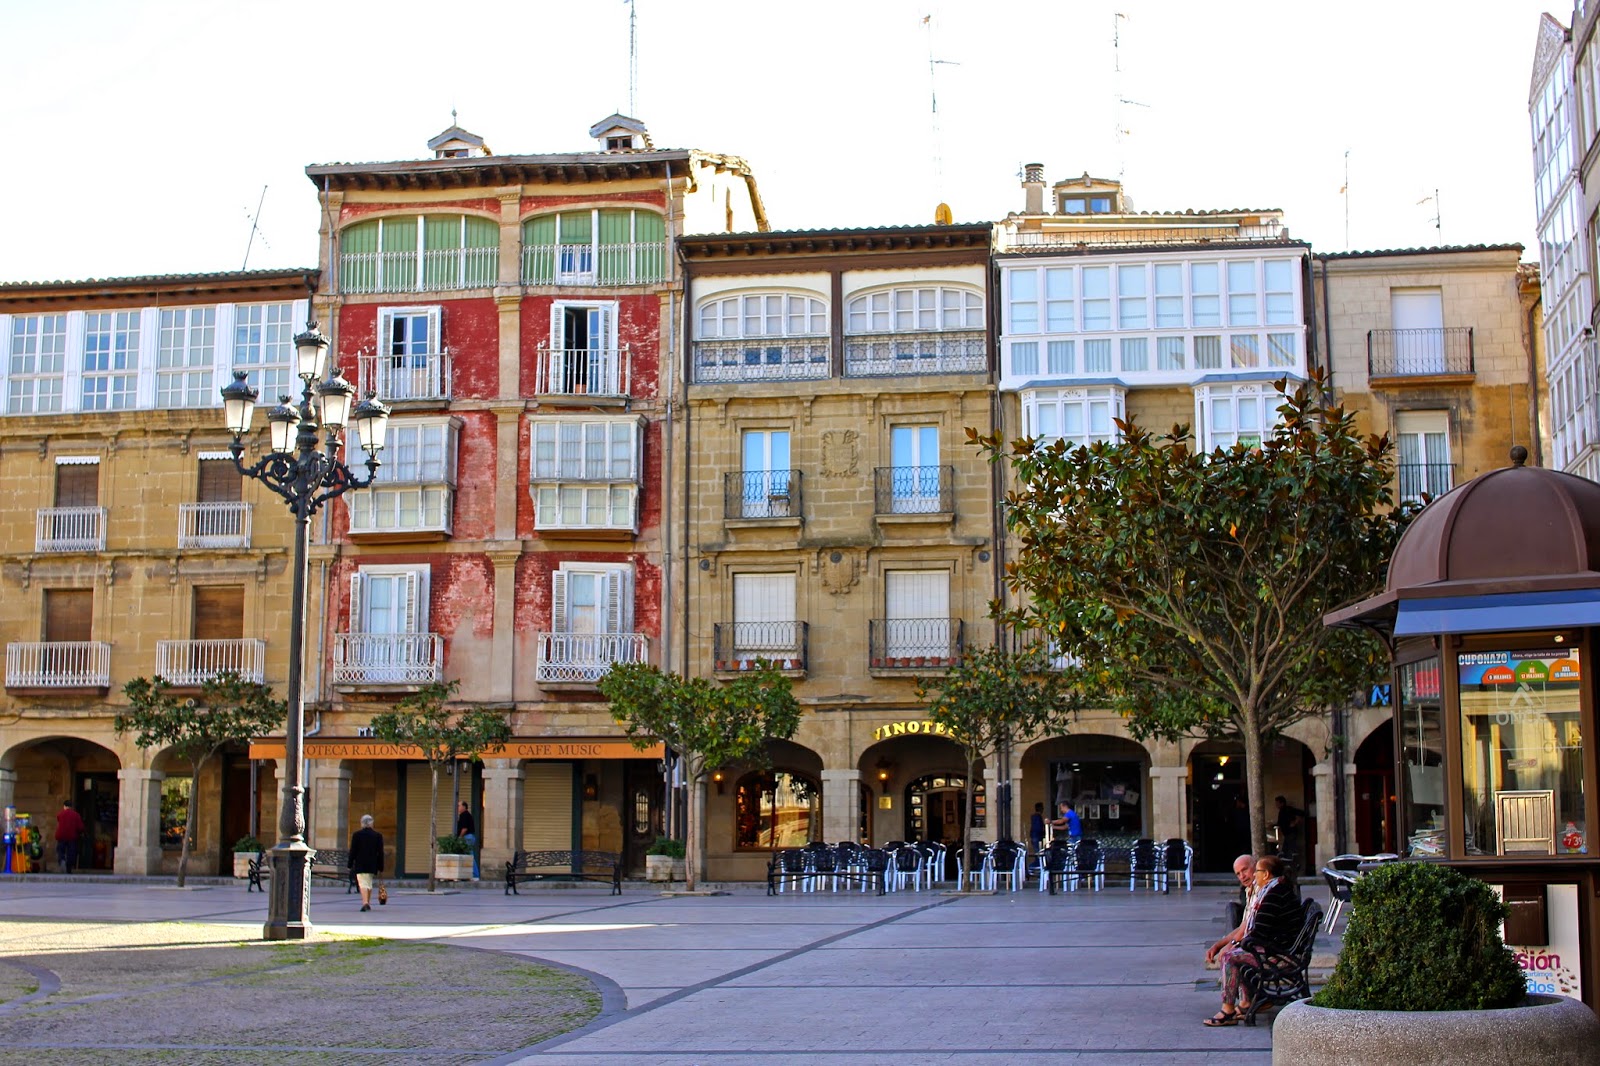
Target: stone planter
[
  {"x": 1551, "y": 1030},
  {"x": 680, "y": 869},
  {"x": 658, "y": 867},
  {"x": 452, "y": 867},
  {"x": 241, "y": 863}
]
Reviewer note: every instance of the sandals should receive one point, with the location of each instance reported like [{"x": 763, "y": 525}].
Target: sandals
[{"x": 1222, "y": 1018}]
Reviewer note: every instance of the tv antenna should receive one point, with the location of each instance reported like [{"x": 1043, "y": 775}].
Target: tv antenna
[
  {"x": 933, "y": 99},
  {"x": 633, "y": 57},
  {"x": 1116, "y": 88},
  {"x": 255, "y": 224},
  {"x": 1438, "y": 226}
]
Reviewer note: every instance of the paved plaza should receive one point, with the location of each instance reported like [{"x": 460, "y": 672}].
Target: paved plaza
[{"x": 830, "y": 978}]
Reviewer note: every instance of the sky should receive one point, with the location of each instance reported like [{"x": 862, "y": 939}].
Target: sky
[{"x": 142, "y": 134}]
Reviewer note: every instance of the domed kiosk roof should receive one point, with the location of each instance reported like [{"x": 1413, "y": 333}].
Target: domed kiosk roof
[{"x": 1515, "y": 548}]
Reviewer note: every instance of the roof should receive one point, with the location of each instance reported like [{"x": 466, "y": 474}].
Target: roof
[
  {"x": 974, "y": 237},
  {"x": 1426, "y": 250},
  {"x": 613, "y": 121},
  {"x": 456, "y": 133},
  {"x": 1089, "y": 220}
]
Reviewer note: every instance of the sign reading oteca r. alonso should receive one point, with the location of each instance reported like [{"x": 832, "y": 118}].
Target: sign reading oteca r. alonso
[{"x": 576, "y": 748}]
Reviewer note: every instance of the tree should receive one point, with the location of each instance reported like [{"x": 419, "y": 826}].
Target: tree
[
  {"x": 992, "y": 698},
  {"x": 708, "y": 725},
  {"x": 229, "y": 711},
  {"x": 1190, "y": 587},
  {"x": 425, "y": 720}
]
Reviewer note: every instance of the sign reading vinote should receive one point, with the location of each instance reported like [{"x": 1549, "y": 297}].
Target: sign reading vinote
[
  {"x": 914, "y": 728},
  {"x": 575, "y": 748}
]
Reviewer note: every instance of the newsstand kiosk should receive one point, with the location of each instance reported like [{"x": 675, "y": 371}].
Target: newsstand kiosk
[{"x": 1492, "y": 615}]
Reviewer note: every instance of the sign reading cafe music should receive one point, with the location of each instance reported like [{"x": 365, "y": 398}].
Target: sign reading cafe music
[
  {"x": 573, "y": 748},
  {"x": 913, "y": 728}
]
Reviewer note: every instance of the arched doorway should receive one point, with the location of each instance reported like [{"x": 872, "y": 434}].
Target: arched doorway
[
  {"x": 1373, "y": 802},
  {"x": 1219, "y": 811},
  {"x": 54, "y": 769},
  {"x": 1105, "y": 778},
  {"x": 925, "y": 777}
]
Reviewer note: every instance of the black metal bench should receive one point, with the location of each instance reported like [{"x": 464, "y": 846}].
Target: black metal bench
[
  {"x": 564, "y": 865},
  {"x": 1276, "y": 976},
  {"x": 327, "y": 864}
]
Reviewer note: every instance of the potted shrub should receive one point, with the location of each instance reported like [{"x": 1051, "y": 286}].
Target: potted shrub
[
  {"x": 1424, "y": 977},
  {"x": 245, "y": 849},
  {"x": 663, "y": 860},
  {"x": 454, "y": 861}
]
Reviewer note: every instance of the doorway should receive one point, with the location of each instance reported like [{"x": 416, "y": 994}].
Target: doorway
[
  {"x": 1219, "y": 809},
  {"x": 936, "y": 810},
  {"x": 96, "y": 799}
]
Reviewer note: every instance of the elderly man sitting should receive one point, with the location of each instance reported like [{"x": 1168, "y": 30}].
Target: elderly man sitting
[{"x": 1244, "y": 868}]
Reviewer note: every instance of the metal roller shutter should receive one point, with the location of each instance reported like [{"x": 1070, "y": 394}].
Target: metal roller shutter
[
  {"x": 547, "y": 806},
  {"x": 416, "y": 823}
]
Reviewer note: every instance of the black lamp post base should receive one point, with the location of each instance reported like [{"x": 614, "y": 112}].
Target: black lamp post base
[{"x": 289, "y": 905}]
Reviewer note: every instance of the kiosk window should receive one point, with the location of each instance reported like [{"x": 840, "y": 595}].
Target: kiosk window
[{"x": 1422, "y": 758}]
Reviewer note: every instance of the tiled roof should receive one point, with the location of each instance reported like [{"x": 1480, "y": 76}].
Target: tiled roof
[
  {"x": 1377, "y": 252},
  {"x": 219, "y": 277},
  {"x": 852, "y": 231}
]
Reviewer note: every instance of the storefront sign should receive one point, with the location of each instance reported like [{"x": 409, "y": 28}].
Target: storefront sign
[
  {"x": 912, "y": 729},
  {"x": 565, "y": 748}
]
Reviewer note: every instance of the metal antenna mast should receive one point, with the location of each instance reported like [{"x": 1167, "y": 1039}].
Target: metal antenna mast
[
  {"x": 1116, "y": 88},
  {"x": 255, "y": 223},
  {"x": 633, "y": 58},
  {"x": 933, "y": 99}
]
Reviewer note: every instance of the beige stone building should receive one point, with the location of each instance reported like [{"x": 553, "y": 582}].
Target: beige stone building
[
  {"x": 130, "y": 546},
  {"x": 836, "y": 520}
]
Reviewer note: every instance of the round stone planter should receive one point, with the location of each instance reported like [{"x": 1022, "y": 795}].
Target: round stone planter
[{"x": 1551, "y": 1030}]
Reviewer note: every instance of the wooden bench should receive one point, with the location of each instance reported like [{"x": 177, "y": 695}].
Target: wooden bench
[
  {"x": 327, "y": 864},
  {"x": 1278, "y": 976},
  {"x": 564, "y": 865}
]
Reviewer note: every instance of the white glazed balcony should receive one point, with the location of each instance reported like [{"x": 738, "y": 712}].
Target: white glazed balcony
[
  {"x": 388, "y": 658},
  {"x": 63, "y": 664},
  {"x": 583, "y": 658},
  {"x": 213, "y": 525},
  {"x": 70, "y": 529},
  {"x": 191, "y": 663}
]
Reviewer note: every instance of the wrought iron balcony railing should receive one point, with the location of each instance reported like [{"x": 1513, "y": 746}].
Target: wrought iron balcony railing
[
  {"x": 761, "y": 494},
  {"x": 762, "y": 359},
  {"x": 914, "y": 643},
  {"x": 583, "y": 658},
  {"x": 70, "y": 529},
  {"x": 406, "y": 377},
  {"x": 584, "y": 372},
  {"x": 190, "y": 663},
  {"x": 1417, "y": 479},
  {"x": 740, "y": 645},
  {"x": 639, "y": 263},
  {"x": 913, "y": 490},
  {"x": 387, "y": 658},
  {"x": 214, "y": 525},
  {"x": 885, "y": 354},
  {"x": 1396, "y": 353},
  {"x": 59, "y": 664}
]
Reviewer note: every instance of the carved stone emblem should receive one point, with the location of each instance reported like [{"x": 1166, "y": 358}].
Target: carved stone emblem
[
  {"x": 840, "y": 452},
  {"x": 839, "y": 572}
]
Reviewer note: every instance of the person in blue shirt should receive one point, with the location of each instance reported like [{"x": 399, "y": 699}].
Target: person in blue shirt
[{"x": 1070, "y": 822}]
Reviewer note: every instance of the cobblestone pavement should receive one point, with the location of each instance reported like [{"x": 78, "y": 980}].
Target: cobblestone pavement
[{"x": 915, "y": 977}]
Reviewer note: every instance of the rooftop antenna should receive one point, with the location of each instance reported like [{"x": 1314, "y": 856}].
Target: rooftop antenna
[
  {"x": 933, "y": 99},
  {"x": 255, "y": 223},
  {"x": 633, "y": 57},
  {"x": 1344, "y": 191},
  {"x": 1438, "y": 213},
  {"x": 1116, "y": 88}
]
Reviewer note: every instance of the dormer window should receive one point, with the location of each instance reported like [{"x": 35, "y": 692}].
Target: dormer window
[
  {"x": 1086, "y": 205},
  {"x": 618, "y": 144}
]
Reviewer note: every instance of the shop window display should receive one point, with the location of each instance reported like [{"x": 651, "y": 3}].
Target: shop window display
[{"x": 776, "y": 809}]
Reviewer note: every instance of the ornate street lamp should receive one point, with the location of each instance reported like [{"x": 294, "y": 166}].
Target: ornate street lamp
[{"x": 302, "y": 467}]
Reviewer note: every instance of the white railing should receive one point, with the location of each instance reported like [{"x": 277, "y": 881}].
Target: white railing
[
  {"x": 188, "y": 663},
  {"x": 405, "y": 377},
  {"x": 398, "y": 271},
  {"x": 584, "y": 372},
  {"x": 762, "y": 359},
  {"x": 582, "y": 658},
  {"x": 387, "y": 658},
  {"x": 643, "y": 263},
  {"x": 887, "y": 354},
  {"x": 70, "y": 529},
  {"x": 213, "y": 525},
  {"x": 59, "y": 664}
]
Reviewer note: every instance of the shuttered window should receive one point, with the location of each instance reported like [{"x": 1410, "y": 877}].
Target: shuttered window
[
  {"x": 219, "y": 612},
  {"x": 68, "y": 614},
  {"x": 591, "y": 601},
  {"x": 220, "y": 482},
  {"x": 547, "y": 806},
  {"x": 763, "y": 598},
  {"x": 78, "y": 485},
  {"x": 389, "y": 602},
  {"x": 418, "y": 782},
  {"x": 917, "y": 612}
]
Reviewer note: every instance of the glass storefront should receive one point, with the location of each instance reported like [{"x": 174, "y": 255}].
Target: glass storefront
[
  {"x": 1522, "y": 752},
  {"x": 1422, "y": 758}
]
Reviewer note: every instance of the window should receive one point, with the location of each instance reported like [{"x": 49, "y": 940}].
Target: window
[
  {"x": 68, "y": 615},
  {"x": 923, "y": 310},
  {"x": 38, "y": 363},
  {"x": 776, "y": 809},
  {"x": 1132, "y": 297},
  {"x": 409, "y": 363},
  {"x": 414, "y": 486},
  {"x": 218, "y": 518},
  {"x": 389, "y": 600},
  {"x": 1417, "y": 316},
  {"x": 1096, "y": 283},
  {"x": 1204, "y": 302},
  {"x": 1242, "y": 310},
  {"x": 588, "y": 600},
  {"x": 760, "y": 336},
  {"x": 186, "y": 356},
  {"x": 175, "y": 813},
  {"x": 764, "y": 624},
  {"x": 917, "y": 614},
  {"x": 77, "y": 482},
  {"x": 1421, "y": 791},
  {"x": 1235, "y": 414},
  {"x": 1078, "y": 416},
  {"x": 594, "y": 246},
  {"x": 766, "y": 474},
  {"x": 915, "y": 477},
  {"x": 602, "y": 457},
  {"x": 110, "y": 360},
  {"x": 1424, "y": 453},
  {"x": 263, "y": 344},
  {"x": 583, "y": 356},
  {"x": 218, "y": 612},
  {"x": 1060, "y": 305},
  {"x": 1279, "y": 274},
  {"x": 414, "y": 253},
  {"x": 1024, "y": 304},
  {"x": 763, "y": 315},
  {"x": 1169, "y": 295}
]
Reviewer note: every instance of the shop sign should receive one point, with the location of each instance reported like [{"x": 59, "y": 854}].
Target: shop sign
[
  {"x": 1552, "y": 969},
  {"x": 912, "y": 728},
  {"x": 574, "y": 748}
]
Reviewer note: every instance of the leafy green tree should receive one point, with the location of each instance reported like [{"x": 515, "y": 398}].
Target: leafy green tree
[
  {"x": 1190, "y": 587},
  {"x": 707, "y": 724},
  {"x": 444, "y": 735},
  {"x": 993, "y": 698},
  {"x": 229, "y": 711}
]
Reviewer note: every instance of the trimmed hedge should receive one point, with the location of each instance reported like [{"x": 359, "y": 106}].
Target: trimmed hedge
[{"x": 1423, "y": 937}]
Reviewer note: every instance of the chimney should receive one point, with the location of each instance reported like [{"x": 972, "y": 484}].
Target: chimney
[{"x": 1033, "y": 189}]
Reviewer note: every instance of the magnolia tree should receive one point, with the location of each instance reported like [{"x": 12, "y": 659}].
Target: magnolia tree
[
  {"x": 993, "y": 698},
  {"x": 1189, "y": 587},
  {"x": 229, "y": 711},
  {"x": 708, "y": 725},
  {"x": 445, "y": 736}
]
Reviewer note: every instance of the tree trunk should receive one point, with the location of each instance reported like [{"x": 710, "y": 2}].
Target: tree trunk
[
  {"x": 968, "y": 827},
  {"x": 433, "y": 821},
  {"x": 1255, "y": 781},
  {"x": 694, "y": 768},
  {"x": 188, "y": 821}
]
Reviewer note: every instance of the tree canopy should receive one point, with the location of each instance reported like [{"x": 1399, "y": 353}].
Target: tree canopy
[{"x": 1189, "y": 587}]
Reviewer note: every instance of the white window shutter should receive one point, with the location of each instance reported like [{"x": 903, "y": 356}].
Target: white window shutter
[
  {"x": 558, "y": 601},
  {"x": 416, "y": 603},
  {"x": 608, "y": 328},
  {"x": 435, "y": 329},
  {"x": 358, "y": 624},
  {"x": 558, "y": 338},
  {"x": 619, "y": 604}
]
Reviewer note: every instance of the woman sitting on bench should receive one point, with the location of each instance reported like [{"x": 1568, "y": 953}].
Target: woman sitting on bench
[{"x": 1272, "y": 917}]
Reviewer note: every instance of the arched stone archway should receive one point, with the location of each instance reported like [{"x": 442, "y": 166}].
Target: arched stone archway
[
  {"x": 750, "y": 812},
  {"x": 38, "y": 774},
  {"x": 1104, "y": 775},
  {"x": 1218, "y": 798},
  {"x": 1373, "y": 791},
  {"x": 890, "y": 768}
]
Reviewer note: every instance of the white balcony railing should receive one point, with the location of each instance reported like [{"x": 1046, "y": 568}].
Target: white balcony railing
[
  {"x": 762, "y": 359},
  {"x": 213, "y": 525},
  {"x": 886, "y": 354},
  {"x": 189, "y": 663},
  {"x": 584, "y": 372},
  {"x": 70, "y": 529},
  {"x": 59, "y": 664},
  {"x": 405, "y": 377},
  {"x": 388, "y": 658},
  {"x": 640, "y": 263},
  {"x": 582, "y": 658}
]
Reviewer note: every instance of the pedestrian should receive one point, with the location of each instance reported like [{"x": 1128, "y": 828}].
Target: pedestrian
[
  {"x": 1070, "y": 821},
  {"x": 1289, "y": 821},
  {"x": 69, "y": 827},
  {"x": 366, "y": 859},
  {"x": 467, "y": 830},
  {"x": 1036, "y": 828}
]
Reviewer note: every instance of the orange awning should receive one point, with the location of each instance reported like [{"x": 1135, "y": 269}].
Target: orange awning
[{"x": 561, "y": 748}]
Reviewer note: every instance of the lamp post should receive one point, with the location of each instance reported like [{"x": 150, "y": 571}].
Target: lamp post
[{"x": 303, "y": 467}]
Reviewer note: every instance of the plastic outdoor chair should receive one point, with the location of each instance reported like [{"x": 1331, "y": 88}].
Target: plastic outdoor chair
[
  {"x": 1144, "y": 860},
  {"x": 905, "y": 868},
  {"x": 1006, "y": 859},
  {"x": 1053, "y": 865},
  {"x": 1177, "y": 860},
  {"x": 1088, "y": 863}
]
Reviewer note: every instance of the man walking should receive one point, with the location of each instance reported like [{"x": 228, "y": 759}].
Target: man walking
[
  {"x": 69, "y": 828},
  {"x": 1070, "y": 822},
  {"x": 366, "y": 858},
  {"x": 467, "y": 829}
]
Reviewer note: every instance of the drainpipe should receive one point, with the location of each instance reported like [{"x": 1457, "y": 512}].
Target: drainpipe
[
  {"x": 666, "y": 447},
  {"x": 1533, "y": 381}
]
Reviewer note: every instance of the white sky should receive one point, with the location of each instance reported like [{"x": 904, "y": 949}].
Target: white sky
[{"x": 140, "y": 133}]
